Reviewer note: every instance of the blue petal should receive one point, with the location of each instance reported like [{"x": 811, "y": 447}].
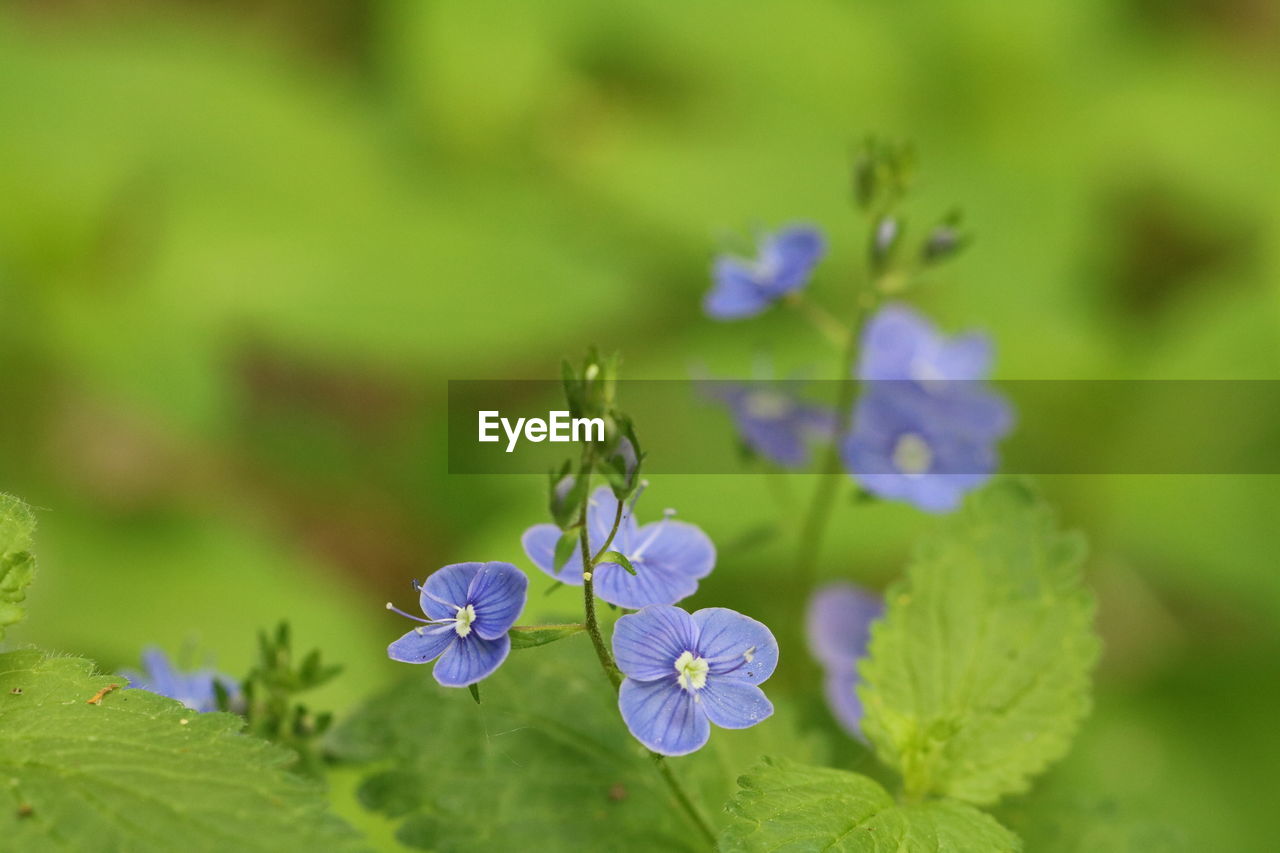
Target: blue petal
[
  {"x": 967, "y": 357},
  {"x": 539, "y": 544},
  {"x": 663, "y": 717},
  {"x": 449, "y": 585},
  {"x": 841, "y": 689},
  {"x": 736, "y": 646},
  {"x": 736, "y": 293},
  {"x": 471, "y": 659},
  {"x": 601, "y": 511},
  {"x": 839, "y": 620},
  {"x": 498, "y": 593},
  {"x": 422, "y": 644},
  {"x": 891, "y": 343},
  {"x": 733, "y": 704},
  {"x": 649, "y": 585},
  {"x": 792, "y": 254},
  {"x": 647, "y": 643}
]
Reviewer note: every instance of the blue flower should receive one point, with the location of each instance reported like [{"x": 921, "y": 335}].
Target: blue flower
[
  {"x": 772, "y": 422},
  {"x": 838, "y": 624},
  {"x": 926, "y": 424},
  {"x": 193, "y": 689},
  {"x": 669, "y": 556},
  {"x": 744, "y": 288},
  {"x": 685, "y": 672},
  {"x": 899, "y": 343},
  {"x": 470, "y": 607}
]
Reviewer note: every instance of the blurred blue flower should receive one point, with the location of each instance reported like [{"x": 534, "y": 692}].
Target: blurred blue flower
[
  {"x": 774, "y": 423},
  {"x": 685, "y": 672},
  {"x": 193, "y": 689},
  {"x": 926, "y": 424},
  {"x": 470, "y": 607},
  {"x": 669, "y": 556},
  {"x": 744, "y": 288},
  {"x": 838, "y": 624},
  {"x": 899, "y": 343}
]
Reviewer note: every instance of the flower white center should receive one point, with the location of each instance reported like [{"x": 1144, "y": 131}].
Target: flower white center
[
  {"x": 466, "y": 615},
  {"x": 911, "y": 455},
  {"x": 767, "y": 406},
  {"x": 691, "y": 672}
]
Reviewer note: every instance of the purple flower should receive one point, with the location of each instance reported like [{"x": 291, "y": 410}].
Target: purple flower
[
  {"x": 744, "y": 288},
  {"x": 669, "y": 556},
  {"x": 470, "y": 607},
  {"x": 773, "y": 422},
  {"x": 193, "y": 689},
  {"x": 685, "y": 672},
  {"x": 899, "y": 343},
  {"x": 926, "y": 424},
  {"x": 838, "y": 624},
  {"x": 910, "y": 445}
]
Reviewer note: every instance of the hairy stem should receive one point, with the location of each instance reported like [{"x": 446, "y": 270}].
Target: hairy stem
[{"x": 588, "y": 589}]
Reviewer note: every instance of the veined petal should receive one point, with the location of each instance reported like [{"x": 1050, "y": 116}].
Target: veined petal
[
  {"x": 650, "y": 585},
  {"x": 731, "y": 703},
  {"x": 498, "y": 593},
  {"x": 663, "y": 716},
  {"x": 446, "y": 590},
  {"x": 422, "y": 645},
  {"x": 736, "y": 646},
  {"x": 838, "y": 622},
  {"x": 471, "y": 659},
  {"x": 736, "y": 293},
  {"x": 647, "y": 643},
  {"x": 677, "y": 546},
  {"x": 539, "y": 544}
]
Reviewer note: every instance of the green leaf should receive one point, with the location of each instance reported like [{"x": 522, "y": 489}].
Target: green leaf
[
  {"x": 565, "y": 545},
  {"x": 17, "y": 564},
  {"x": 616, "y": 557},
  {"x": 783, "y": 806},
  {"x": 474, "y": 689},
  {"x": 529, "y": 636},
  {"x": 140, "y": 772},
  {"x": 545, "y": 764},
  {"x": 978, "y": 675}
]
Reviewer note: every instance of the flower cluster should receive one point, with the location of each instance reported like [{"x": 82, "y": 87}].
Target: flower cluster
[
  {"x": 838, "y": 624},
  {"x": 925, "y": 426}
]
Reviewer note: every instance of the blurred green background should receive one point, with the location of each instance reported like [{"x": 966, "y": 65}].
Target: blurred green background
[{"x": 243, "y": 246}]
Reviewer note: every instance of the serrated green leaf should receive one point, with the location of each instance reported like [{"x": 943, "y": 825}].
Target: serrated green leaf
[
  {"x": 978, "y": 675},
  {"x": 17, "y": 564},
  {"x": 784, "y": 807},
  {"x": 545, "y": 764},
  {"x": 140, "y": 772},
  {"x": 529, "y": 636},
  {"x": 616, "y": 557}
]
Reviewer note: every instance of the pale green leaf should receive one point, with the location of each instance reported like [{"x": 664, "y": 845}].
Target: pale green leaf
[
  {"x": 530, "y": 636},
  {"x": 17, "y": 564},
  {"x": 784, "y": 807},
  {"x": 139, "y": 772},
  {"x": 978, "y": 675}
]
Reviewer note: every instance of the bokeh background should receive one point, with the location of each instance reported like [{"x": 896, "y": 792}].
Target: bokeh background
[{"x": 243, "y": 246}]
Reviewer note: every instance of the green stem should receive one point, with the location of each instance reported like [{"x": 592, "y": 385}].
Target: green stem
[
  {"x": 683, "y": 799},
  {"x": 814, "y": 527},
  {"x": 606, "y": 660}
]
